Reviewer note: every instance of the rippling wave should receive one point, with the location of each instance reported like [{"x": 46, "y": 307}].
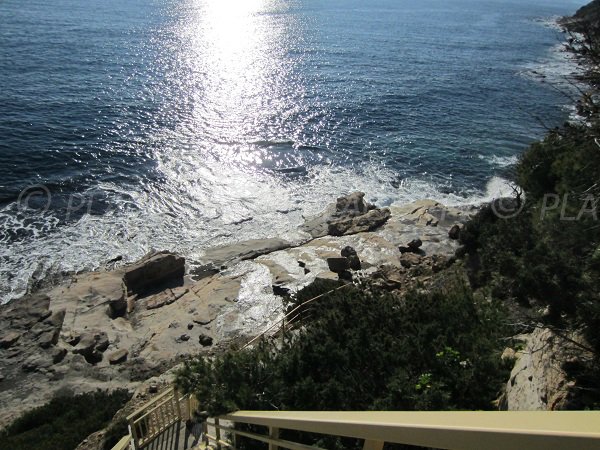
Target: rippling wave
[{"x": 179, "y": 124}]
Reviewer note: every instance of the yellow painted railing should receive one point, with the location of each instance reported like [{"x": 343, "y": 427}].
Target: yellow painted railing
[
  {"x": 123, "y": 444},
  {"x": 465, "y": 430},
  {"x": 155, "y": 417},
  {"x": 490, "y": 430}
]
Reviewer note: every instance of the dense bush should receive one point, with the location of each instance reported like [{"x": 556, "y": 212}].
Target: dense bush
[
  {"x": 114, "y": 433},
  {"x": 363, "y": 349},
  {"x": 64, "y": 422},
  {"x": 549, "y": 254}
]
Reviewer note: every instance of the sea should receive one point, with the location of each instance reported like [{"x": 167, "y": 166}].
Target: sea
[{"x": 139, "y": 125}]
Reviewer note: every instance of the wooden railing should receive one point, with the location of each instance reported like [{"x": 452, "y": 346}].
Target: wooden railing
[
  {"x": 123, "y": 444},
  {"x": 490, "y": 430},
  {"x": 466, "y": 430},
  {"x": 155, "y": 417}
]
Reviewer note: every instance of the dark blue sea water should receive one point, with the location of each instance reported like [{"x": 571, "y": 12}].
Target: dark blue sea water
[{"x": 178, "y": 124}]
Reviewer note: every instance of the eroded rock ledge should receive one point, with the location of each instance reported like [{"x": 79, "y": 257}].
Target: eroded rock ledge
[{"x": 113, "y": 329}]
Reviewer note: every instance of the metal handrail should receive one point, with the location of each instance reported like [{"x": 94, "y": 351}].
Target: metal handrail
[{"x": 286, "y": 317}]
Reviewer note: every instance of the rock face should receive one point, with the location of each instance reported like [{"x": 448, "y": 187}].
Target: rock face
[
  {"x": 350, "y": 215},
  {"x": 9, "y": 339},
  {"x": 538, "y": 381},
  {"x": 152, "y": 271},
  {"x": 91, "y": 346},
  {"x": 74, "y": 336},
  {"x": 166, "y": 297},
  {"x": 118, "y": 356},
  {"x": 244, "y": 250}
]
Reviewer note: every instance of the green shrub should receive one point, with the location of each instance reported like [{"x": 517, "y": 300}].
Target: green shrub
[
  {"x": 364, "y": 349},
  {"x": 114, "y": 433},
  {"x": 64, "y": 422}
]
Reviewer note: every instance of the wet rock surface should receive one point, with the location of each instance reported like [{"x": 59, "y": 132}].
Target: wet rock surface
[
  {"x": 115, "y": 329},
  {"x": 241, "y": 251},
  {"x": 350, "y": 214}
]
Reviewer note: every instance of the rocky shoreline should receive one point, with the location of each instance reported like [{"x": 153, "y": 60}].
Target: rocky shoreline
[{"x": 117, "y": 328}]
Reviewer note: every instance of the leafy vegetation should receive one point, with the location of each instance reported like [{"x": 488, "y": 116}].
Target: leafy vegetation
[
  {"x": 548, "y": 255},
  {"x": 364, "y": 349},
  {"x": 64, "y": 422},
  {"x": 115, "y": 432}
]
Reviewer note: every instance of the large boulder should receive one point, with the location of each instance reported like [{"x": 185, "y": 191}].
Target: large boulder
[
  {"x": 118, "y": 356},
  {"x": 91, "y": 346},
  {"x": 350, "y": 214},
  {"x": 353, "y": 204},
  {"x": 205, "y": 340},
  {"x": 338, "y": 264},
  {"x": 48, "y": 331},
  {"x": 389, "y": 277},
  {"x": 413, "y": 246},
  {"x": 359, "y": 224},
  {"x": 55, "y": 320},
  {"x": 48, "y": 338},
  {"x": 9, "y": 339},
  {"x": 454, "y": 232},
  {"x": 353, "y": 259},
  {"x": 153, "y": 271},
  {"x": 58, "y": 354},
  {"x": 408, "y": 260}
]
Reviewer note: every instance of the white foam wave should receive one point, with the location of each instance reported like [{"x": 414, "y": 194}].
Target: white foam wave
[
  {"x": 202, "y": 209},
  {"x": 500, "y": 161}
]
